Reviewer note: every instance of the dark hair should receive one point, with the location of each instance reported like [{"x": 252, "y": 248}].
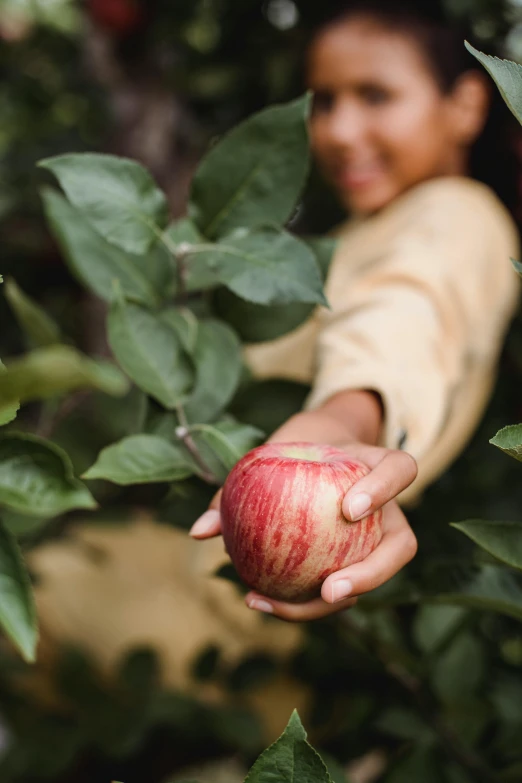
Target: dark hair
[{"x": 493, "y": 159}]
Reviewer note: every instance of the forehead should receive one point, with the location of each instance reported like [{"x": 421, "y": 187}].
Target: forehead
[{"x": 362, "y": 49}]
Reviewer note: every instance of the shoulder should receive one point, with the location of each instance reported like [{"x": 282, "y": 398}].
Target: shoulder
[
  {"x": 453, "y": 204},
  {"x": 447, "y": 216},
  {"x": 444, "y": 207}
]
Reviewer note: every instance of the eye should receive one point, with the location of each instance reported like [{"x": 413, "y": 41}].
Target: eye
[
  {"x": 374, "y": 95},
  {"x": 323, "y": 101}
]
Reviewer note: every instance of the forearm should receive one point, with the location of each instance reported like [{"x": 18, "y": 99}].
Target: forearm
[{"x": 346, "y": 417}]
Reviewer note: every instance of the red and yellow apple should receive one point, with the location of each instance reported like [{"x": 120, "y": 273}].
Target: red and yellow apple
[{"x": 282, "y": 520}]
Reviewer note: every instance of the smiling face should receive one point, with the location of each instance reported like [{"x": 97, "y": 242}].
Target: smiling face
[{"x": 380, "y": 121}]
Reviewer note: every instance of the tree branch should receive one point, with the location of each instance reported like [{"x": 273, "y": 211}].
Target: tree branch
[{"x": 183, "y": 433}]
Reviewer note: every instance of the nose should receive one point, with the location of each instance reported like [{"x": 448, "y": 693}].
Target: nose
[{"x": 345, "y": 126}]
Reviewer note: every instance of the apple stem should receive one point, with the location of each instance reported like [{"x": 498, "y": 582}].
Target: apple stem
[{"x": 183, "y": 433}]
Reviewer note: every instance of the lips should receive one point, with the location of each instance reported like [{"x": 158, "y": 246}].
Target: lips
[{"x": 357, "y": 176}]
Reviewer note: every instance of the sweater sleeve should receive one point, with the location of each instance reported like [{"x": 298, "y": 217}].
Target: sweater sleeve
[{"x": 422, "y": 324}]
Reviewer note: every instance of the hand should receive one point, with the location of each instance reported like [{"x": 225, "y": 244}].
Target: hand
[{"x": 390, "y": 473}]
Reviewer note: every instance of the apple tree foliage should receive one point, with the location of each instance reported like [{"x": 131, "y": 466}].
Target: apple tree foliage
[
  {"x": 158, "y": 278},
  {"x": 168, "y": 338}
]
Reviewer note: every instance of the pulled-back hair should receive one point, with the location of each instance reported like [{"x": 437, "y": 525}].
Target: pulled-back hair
[{"x": 493, "y": 159}]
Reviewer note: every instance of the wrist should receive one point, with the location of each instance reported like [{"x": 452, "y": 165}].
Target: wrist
[{"x": 347, "y": 417}]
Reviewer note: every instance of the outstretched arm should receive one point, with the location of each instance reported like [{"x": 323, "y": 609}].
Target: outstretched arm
[{"x": 350, "y": 420}]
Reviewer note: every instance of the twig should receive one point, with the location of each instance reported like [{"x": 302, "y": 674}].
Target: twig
[{"x": 183, "y": 433}]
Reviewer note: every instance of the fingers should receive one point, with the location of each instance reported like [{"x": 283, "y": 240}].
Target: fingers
[
  {"x": 297, "y": 613},
  {"x": 397, "y": 547},
  {"x": 216, "y": 500},
  {"x": 209, "y": 523},
  {"x": 390, "y": 475},
  {"x": 340, "y": 590}
]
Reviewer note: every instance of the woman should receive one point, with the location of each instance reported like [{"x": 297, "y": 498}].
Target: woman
[{"x": 421, "y": 286}]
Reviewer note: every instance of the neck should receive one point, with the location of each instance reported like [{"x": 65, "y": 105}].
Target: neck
[{"x": 457, "y": 164}]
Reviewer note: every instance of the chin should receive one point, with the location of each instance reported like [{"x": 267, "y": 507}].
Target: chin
[{"x": 366, "y": 202}]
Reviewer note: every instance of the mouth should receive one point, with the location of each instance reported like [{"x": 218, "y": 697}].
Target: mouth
[{"x": 357, "y": 176}]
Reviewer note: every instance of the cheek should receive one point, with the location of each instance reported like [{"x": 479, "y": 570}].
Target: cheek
[{"x": 411, "y": 136}]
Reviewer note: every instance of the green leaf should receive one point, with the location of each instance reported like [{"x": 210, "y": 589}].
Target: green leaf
[
  {"x": 150, "y": 352},
  {"x": 255, "y": 174},
  {"x": 17, "y": 610},
  {"x": 419, "y": 765},
  {"x": 434, "y": 624},
  {"x": 508, "y": 78},
  {"x": 118, "y": 197},
  {"x": 266, "y": 266},
  {"x": 60, "y": 15},
  {"x": 404, "y": 724},
  {"x": 323, "y": 249},
  {"x": 290, "y": 759},
  {"x": 453, "y": 773},
  {"x": 493, "y": 589},
  {"x": 241, "y": 437},
  {"x": 185, "y": 324},
  {"x": 21, "y": 525},
  {"x": 38, "y": 326},
  {"x": 501, "y": 539},
  {"x": 223, "y": 444},
  {"x": 509, "y": 440},
  {"x": 458, "y": 671},
  {"x": 335, "y": 768},
  {"x": 258, "y": 323},
  {"x": 218, "y": 361},
  {"x": 7, "y": 411},
  {"x": 141, "y": 459},
  {"x": 98, "y": 264},
  {"x": 57, "y": 369},
  {"x": 36, "y": 477},
  {"x": 121, "y": 416},
  {"x": 267, "y": 404},
  {"x": 506, "y": 697},
  {"x": 182, "y": 232}
]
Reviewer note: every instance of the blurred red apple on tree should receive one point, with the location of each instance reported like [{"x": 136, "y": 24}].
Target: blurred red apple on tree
[
  {"x": 282, "y": 520},
  {"x": 119, "y": 17}
]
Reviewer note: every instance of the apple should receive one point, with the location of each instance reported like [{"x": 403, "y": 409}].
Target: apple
[
  {"x": 282, "y": 520},
  {"x": 116, "y": 16}
]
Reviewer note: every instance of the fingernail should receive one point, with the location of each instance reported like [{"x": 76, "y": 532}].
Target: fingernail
[
  {"x": 341, "y": 588},
  {"x": 205, "y": 523},
  {"x": 261, "y": 606},
  {"x": 359, "y": 505}
]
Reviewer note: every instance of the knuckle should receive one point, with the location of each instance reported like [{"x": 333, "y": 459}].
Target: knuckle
[
  {"x": 410, "y": 464},
  {"x": 410, "y": 545}
]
